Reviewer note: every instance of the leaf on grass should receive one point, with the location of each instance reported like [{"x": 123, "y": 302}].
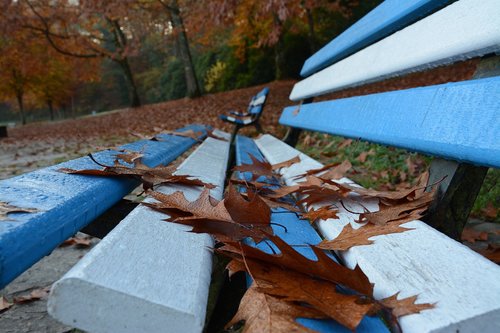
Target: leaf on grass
[
  {"x": 492, "y": 252},
  {"x": 322, "y": 213},
  {"x": 323, "y": 268},
  {"x": 363, "y": 155},
  {"x": 5, "y": 304},
  {"x": 34, "y": 295},
  {"x": 490, "y": 211},
  {"x": 405, "y": 306},
  {"x": 345, "y": 143},
  {"x": 350, "y": 237},
  {"x": 267, "y": 314},
  {"x": 6, "y": 209}
]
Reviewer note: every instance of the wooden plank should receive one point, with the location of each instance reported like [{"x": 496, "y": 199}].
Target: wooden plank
[
  {"x": 146, "y": 275},
  {"x": 457, "y": 120},
  {"x": 462, "y": 30},
  {"x": 298, "y": 232},
  {"x": 388, "y": 17},
  {"x": 420, "y": 262},
  {"x": 67, "y": 203}
]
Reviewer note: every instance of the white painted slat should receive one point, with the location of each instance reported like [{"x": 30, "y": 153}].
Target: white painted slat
[
  {"x": 146, "y": 275},
  {"x": 423, "y": 262},
  {"x": 462, "y": 30}
]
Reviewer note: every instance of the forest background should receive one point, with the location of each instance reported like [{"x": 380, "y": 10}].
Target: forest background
[{"x": 67, "y": 58}]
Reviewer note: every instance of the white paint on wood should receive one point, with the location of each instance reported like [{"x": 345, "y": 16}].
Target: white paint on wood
[
  {"x": 462, "y": 30},
  {"x": 424, "y": 262},
  {"x": 146, "y": 275}
]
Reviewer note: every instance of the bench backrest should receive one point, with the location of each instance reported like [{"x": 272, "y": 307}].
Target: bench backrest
[
  {"x": 457, "y": 121},
  {"x": 257, "y": 103}
]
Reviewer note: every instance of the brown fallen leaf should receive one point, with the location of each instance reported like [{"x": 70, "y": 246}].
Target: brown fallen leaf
[
  {"x": 350, "y": 237},
  {"x": 492, "y": 252},
  {"x": 323, "y": 268},
  {"x": 405, "y": 306},
  {"x": 345, "y": 143},
  {"x": 5, "y": 304},
  {"x": 321, "y": 295},
  {"x": 363, "y": 155},
  {"x": 257, "y": 168},
  {"x": 149, "y": 177},
  {"x": 267, "y": 314},
  {"x": 286, "y": 164},
  {"x": 77, "y": 242},
  {"x": 129, "y": 156},
  {"x": 329, "y": 171},
  {"x": 188, "y": 134},
  {"x": 233, "y": 218},
  {"x": 6, "y": 209},
  {"x": 211, "y": 134},
  {"x": 322, "y": 213},
  {"x": 490, "y": 211},
  {"x": 34, "y": 295}
]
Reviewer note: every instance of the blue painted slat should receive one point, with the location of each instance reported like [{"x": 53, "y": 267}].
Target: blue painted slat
[
  {"x": 388, "y": 17},
  {"x": 459, "y": 121},
  {"x": 299, "y": 232},
  {"x": 68, "y": 202}
]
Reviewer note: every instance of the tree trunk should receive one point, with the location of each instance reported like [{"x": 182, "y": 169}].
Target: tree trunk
[
  {"x": 193, "y": 89},
  {"x": 132, "y": 87},
  {"x": 278, "y": 51},
  {"x": 20, "y": 103},
  {"x": 311, "y": 34},
  {"x": 51, "y": 109}
]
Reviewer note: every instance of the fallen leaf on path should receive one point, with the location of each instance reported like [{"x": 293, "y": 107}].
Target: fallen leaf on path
[
  {"x": 5, "y": 304},
  {"x": 34, "y": 295},
  {"x": 77, "y": 241}
]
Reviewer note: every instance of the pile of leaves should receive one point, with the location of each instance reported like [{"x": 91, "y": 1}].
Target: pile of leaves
[{"x": 285, "y": 283}]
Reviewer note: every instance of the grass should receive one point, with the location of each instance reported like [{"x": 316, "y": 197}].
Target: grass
[{"x": 382, "y": 167}]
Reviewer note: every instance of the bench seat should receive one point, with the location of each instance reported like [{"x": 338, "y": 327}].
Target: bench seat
[{"x": 146, "y": 275}]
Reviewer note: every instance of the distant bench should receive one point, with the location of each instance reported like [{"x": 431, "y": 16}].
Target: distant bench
[{"x": 133, "y": 285}]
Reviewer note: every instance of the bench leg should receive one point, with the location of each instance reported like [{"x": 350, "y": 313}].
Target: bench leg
[
  {"x": 3, "y": 131},
  {"x": 456, "y": 195},
  {"x": 258, "y": 127},
  {"x": 292, "y": 136}
]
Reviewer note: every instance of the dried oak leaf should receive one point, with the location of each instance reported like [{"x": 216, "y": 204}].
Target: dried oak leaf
[
  {"x": 267, "y": 314},
  {"x": 401, "y": 212},
  {"x": 148, "y": 176},
  {"x": 233, "y": 218},
  {"x": 78, "y": 242},
  {"x": 263, "y": 168},
  {"x": 329, "y": 171},
  {"x": 34, "y": 295},
  {"x": 350, "y": 237},
  {"x": 299, "y": 287},
  {"x": 323, "y": 268},
  {"x": 187, "y": 134},
  {"x": 6, "y": 209},
  {"x": 322, "y": 213},
  {"x": 405, "y": 306},
  {"x": 5, "y": 304},
  {"x": 129, "y": 156}
]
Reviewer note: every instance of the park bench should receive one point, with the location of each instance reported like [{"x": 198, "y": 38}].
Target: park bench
[
  {"x": 250, "y": 117},
  {"x": 138, "y": 279}
]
